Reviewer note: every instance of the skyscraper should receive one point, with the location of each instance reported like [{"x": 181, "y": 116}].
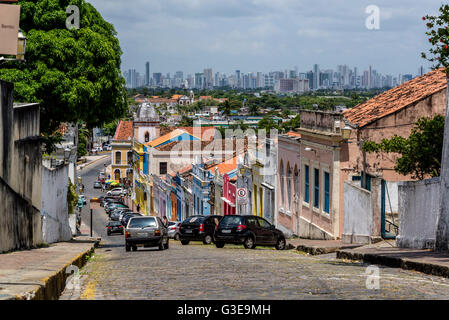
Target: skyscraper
[
  {"x": 316, "y": 76},
  {"x": 147, "y": 73},
  {"x": 208, "y": 77}
]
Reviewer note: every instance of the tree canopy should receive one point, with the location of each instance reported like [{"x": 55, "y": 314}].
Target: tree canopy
[
  {"x": 420, "y": 152},
  {"x": 73, "y": 74}
]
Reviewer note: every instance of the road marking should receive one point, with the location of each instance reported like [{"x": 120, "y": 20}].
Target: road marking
[{"x": 89, "y": 293}]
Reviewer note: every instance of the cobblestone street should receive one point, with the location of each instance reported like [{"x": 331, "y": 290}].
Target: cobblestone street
[{"x": 198, "y": 271}]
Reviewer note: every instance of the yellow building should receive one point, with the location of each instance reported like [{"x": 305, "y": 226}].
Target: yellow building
[
  {"x": 121, "y": 154},
  {"x": 141, "y": 178}
]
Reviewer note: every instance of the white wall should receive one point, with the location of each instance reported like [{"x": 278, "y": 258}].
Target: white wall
[
  {"x": 54, "y": 210},
  {"x": 358, "y": 214},
  {"x": 418, "y": 213}
]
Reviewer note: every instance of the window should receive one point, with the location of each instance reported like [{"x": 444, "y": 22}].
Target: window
[
  {"x": 118, "y": 157},
  {"x": 162, "y": 167},
  {"x": 252, "y": 222},
  {"x": 316, "y": 196},
  {"x": 306, "y": 184},
  {"x": 289, "y": 187},
  {"x": 147, "y": 136},
  {"x": 263, "y": 223},
  {"x": 326, "y": 192},
  {"x": 116, "y": 174},
  {"x": 130, "y": 157},
  {"x": 281, "y": 181}
]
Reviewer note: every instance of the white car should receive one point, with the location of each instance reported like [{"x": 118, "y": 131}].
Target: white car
[{"x": 117, "y": 192}]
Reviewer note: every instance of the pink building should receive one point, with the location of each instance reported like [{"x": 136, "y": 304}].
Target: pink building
[
  {"x": 288, "y": 186},
  {"x": 329, "y": 159},
  {"x": 229, "y": 195}
]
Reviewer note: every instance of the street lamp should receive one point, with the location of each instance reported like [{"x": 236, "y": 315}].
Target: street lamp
[
  {"x": 67, "y": 152},
  {"x": 346, "y": 131},
  {"x": 21, "y": 46}
]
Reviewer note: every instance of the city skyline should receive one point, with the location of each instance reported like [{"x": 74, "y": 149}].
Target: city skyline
[
  {"x": 318, "y": 77},
  {"x": 264, "y": 36}
]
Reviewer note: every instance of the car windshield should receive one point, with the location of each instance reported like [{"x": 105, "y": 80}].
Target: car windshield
[
  {"x": 114, "y": 223},
  {"x": 196, "y": 220},
  {"x": 142, "y": 223},
  {"x": 230, "y": 221}
]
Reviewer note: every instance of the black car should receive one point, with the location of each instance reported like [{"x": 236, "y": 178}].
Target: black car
[
  {"x": 114, "y": 227},
  {"x": 251, "y": 231},
  {"x": 198, "y": 228}
]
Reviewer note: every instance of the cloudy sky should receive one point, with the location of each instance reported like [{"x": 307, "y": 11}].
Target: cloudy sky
[{"x": 267, "y": 35}]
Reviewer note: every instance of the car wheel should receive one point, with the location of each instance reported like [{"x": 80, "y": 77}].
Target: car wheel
[
  {"x": 280, "y": 244},
  {"x": 176, "y": 236},
  {"x": 207, "y": 239},
  {"x": 185, "y": 242},
  {"x": 127, "y": 248},
  {"x": 134, "y": 248},
  {"x": 109, "y": 233},
  {"x": 249, "y": 243},
  {"x": 219, "y": 244}
]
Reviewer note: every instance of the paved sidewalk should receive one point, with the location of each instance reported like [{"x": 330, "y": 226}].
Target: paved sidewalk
[
  {"x": 40, "y": 274},
  {"x": 386, "y": 253},
  {"x": 315, "y": 247},
  {"x": 91, "y": 160}
]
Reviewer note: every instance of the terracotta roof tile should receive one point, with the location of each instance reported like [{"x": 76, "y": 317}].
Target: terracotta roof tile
[
  {"x": 293, "y": 134},
  {"x": 397, "y": 98},
  {"x": 124, "y": 131},
  {"x": 226, "y": 166}
]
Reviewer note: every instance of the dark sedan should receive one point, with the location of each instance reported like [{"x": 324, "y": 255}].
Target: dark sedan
[
  {"x": 251, "y": 231},
  {"x": 114, "y": 227},
  {"x": 198, "y": 228}
]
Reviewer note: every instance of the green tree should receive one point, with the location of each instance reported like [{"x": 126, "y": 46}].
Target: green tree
[
  {"x": 110, "y": 128},
  {"x": 267, "y": 123},
  {"x": 420, "y": 152},
  {"x": 291, "y": 124},
  {"x": 83, "y": 138},
  {"x": 73, "y": 74}
]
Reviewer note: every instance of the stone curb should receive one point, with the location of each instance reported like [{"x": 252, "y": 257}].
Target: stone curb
[
  {"x": 315, "y": 250},
  {"x": 92, "y": 162},
  {"x": 52, "y": 286},
  {"x": 395, "y": 262}
]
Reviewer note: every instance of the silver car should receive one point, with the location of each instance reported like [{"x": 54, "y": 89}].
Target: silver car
[
  {"x": 173, "y": 229},
  {"x": 146, "y": 232}
]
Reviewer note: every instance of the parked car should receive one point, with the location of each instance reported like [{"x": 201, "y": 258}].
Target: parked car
[
  {"x": 116, "y": 192},
  {"x": 146, "y": 232},
  {"x": 248, "y": 230},
  {"x": 114, "y": 227},
  {"x": 106, "y": 199},
  {"x": 127, "y": 216},
  {"x": 97, "y": 185},
  {"x": 117, "y": 213},
  {"x": 198, "y": 228},
  {"x": 112, "y": 206},
  {"x": 82, "y": 197},
  {"x": 173, "y": 230}
]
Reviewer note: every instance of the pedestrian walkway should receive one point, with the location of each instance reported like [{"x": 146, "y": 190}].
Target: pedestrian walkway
[
  {"x": 315, "y": 247},
  {"x": 386, "y": 253},
  {"x": 91, "y": 160},
  {"x": 41, "y": 273}
]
